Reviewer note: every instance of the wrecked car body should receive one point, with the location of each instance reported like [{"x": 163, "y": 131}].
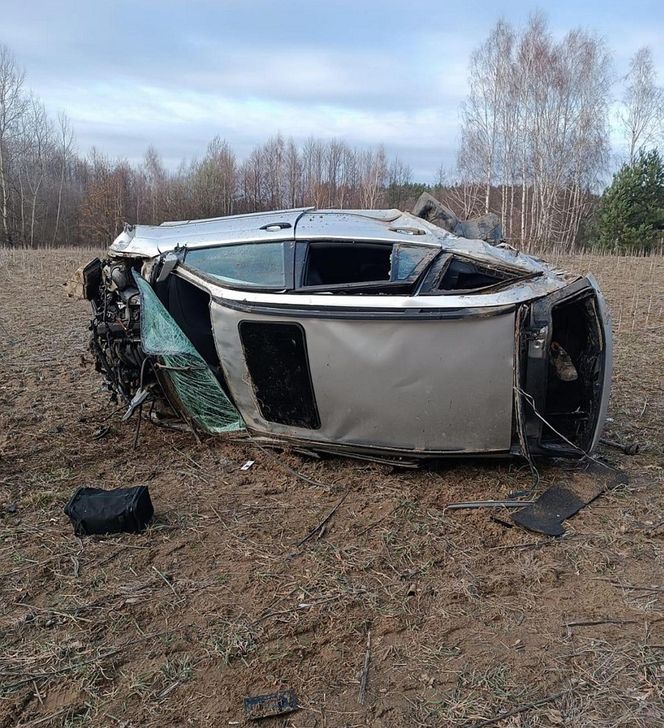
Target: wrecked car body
[{"x": 369, "y": 333}]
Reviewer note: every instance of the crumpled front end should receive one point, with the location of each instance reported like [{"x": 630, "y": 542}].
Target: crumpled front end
[{"x": 143, "y": 354}]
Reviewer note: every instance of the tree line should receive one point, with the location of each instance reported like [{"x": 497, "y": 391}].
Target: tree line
[
  {"x": 535, "y": 128},
  {"x": 534, "y": 149}
]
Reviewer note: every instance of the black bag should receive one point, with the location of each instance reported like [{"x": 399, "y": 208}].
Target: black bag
[{"x": 93, "y": 510}]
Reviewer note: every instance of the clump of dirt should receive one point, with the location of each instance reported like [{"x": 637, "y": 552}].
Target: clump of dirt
[{"x": 215, "y": 601}]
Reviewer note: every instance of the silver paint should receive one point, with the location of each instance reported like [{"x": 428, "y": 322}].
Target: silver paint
[{"x": 404, "y": 386}]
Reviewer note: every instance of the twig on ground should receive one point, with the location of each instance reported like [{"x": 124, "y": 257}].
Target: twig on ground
[
  {"x": 46, "y": 718},
  {"x": 364, "y": 679},
  {"x": 170, "y": 585},
  {"x": 325, "y": 520},
  {"x": 593, "y": 622},
  {"x": 627, "y": 448},
  {"x": 378, "y": 522},
  {"x": 529, "y": 544},
  {"x": 521, "y": 709},
  {"x": 487, "y": 504},
  {"x": 298, "y": 608},
  {"x": 632, "y": 587},
  {"x": 53, "y": 611}
]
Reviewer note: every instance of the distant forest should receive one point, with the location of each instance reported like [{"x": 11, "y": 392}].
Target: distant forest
[{"x": 534, "y": 149}]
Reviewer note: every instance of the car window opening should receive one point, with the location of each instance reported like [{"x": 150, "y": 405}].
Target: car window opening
[
  {"x": 278, "y": 364},
  {"x": 334, "y": 264},
  {"x": 190, "y": 308},
  {"x": 466, "y": 275},
  {"x": 358, "y": 267},
  {"x": 575, "y": 370}
]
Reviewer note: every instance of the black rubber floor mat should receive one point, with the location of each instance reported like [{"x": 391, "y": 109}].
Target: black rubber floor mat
[
  {"x": 558, "y": 503},
  {"x": 547, "y": 513}
]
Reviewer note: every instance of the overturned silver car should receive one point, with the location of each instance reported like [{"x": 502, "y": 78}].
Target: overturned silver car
[{"x": 371, "y": 333}]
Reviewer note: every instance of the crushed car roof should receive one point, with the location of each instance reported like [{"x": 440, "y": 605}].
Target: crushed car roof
[{"x": 393, "y": 226}]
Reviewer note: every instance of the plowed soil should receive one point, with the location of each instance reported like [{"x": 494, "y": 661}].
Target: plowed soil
[{"x": 469, "y": 619}]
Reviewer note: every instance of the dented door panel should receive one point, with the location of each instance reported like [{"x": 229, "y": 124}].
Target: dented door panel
[{"x": 406, "y": 387}]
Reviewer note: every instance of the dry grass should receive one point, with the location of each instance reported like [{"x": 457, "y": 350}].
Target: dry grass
[{"x": 215, "y": 601}]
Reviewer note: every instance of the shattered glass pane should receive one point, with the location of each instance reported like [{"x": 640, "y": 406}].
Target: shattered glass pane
[
  {"x": 194, "y": 383},
  {"x": 406, "y": 260}
]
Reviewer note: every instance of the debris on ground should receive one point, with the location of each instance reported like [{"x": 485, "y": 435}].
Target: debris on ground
[
  {"x": 364, "y": 678},
  {"x": 101, "y": 432},
  {"x": 486, "y": 504},
  {"x": 629, "y": 448},
  {"x": 558, "y": 503},
  {"x": 267, "y": 706}
]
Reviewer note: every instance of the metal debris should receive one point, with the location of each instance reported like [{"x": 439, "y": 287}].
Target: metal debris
[
  {"x": 558, "y": 503},
  {"x": 487, "y": 504},
  {"x": 266, "y": 706}
]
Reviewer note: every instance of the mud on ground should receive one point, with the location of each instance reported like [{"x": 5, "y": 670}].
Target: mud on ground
[{"x": 468, "y": 619}]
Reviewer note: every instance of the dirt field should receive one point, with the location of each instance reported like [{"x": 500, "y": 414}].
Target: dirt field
[{"x": 468, "y": 619}]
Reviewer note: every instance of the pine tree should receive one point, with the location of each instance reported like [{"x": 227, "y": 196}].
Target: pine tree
[{"x": 631, "y": 211}]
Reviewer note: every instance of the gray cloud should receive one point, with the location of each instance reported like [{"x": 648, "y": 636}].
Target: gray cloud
[{"x": 175, "y": 74}]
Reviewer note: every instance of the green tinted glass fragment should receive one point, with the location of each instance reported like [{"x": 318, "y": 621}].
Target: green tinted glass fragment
[{"x": 198, "y": 390}]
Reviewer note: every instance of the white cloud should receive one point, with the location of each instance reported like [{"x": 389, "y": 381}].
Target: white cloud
[
  {"x": 155, "y": 113},
  {"x": 137, "y": 72}
]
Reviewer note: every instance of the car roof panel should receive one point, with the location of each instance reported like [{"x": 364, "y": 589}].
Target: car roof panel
[{"x": 151, "y": 240}]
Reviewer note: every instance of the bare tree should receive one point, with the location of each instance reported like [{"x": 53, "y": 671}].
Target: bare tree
[
  {"x": 214, "y": 181},
  {"x": 643, "y": 103},
  {"x": 252, "y": 181},
  {"x": 154, "y": 185},
  {"x": 399, "y": 178},
  {"x": 107, "y": 200},
  {"x": 313, "y": 163},
  {"x": 534, "y": 129},
  {"x": 12, "y": 106},
  {"x": 65, "y": 151},
  {"x": 293, "y": 170},
  {"x": 489, "y": 73},
  {"x": 273, "y": 156},
  {"x": 37, "y": 146},
  {"x": 350, "y": 179},
  {"x": 373, "y": 176}
]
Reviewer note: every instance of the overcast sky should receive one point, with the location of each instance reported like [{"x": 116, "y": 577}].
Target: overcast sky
[{"x": 174, "y": 74}]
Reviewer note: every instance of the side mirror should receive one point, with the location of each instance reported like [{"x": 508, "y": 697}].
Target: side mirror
[{"x": 165, "y": 266}]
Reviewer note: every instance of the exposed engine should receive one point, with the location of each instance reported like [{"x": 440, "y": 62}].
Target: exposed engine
[{"x": 115, "y": 326}]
